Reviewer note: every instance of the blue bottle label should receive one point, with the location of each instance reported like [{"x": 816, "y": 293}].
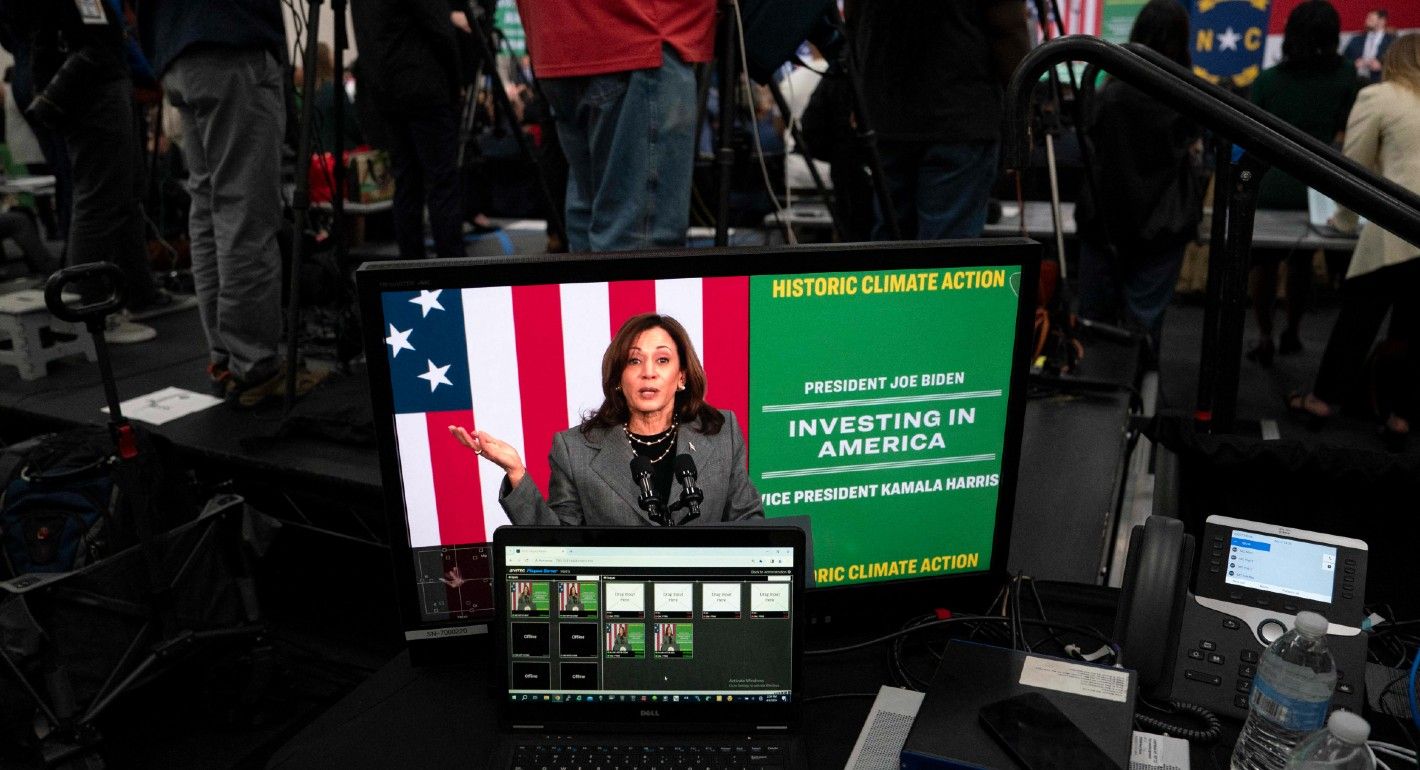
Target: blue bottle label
[{"x": 1288, "y": 711}]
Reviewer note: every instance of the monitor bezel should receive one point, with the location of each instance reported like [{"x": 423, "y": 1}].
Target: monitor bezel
[
  {"x": 678, "y": 716},
  {"x": 845, "y": 608}
]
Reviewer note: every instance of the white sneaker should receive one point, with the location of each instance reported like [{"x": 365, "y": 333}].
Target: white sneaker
[{"x": 119, "y": 330}]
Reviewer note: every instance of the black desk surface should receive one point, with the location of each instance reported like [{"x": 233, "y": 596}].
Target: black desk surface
[{"x": 445, "y": 717}]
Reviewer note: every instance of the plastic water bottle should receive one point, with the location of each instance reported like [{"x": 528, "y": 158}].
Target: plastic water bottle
[
  {"x": 1341, "y": 745},
  {"x": 1290, "y": 695}
]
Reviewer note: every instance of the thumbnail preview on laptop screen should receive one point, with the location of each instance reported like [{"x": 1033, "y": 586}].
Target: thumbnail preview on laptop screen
[
  {"x": 873, "y": 402},
  {"x": 608, "y": 624}
]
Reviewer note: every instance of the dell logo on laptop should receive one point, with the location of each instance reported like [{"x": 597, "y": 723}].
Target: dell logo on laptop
[{"x": 650, "y": 713}]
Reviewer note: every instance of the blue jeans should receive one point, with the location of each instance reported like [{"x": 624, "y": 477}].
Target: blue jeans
[
  {"x": 1136, "y": 292},
  {"x": 629, "y": 138},
  {"x": 939, "y": 190}
]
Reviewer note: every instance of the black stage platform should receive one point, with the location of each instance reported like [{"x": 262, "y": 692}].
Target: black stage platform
[{"x": 71, "y": 395}]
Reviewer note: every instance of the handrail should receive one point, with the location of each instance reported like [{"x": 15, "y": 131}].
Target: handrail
[{"x": 1276, "y": 142}]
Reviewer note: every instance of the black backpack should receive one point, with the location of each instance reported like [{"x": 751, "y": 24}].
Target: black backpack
[
  {"x": 57, "y": 496},
  {"x": 60, "y": 509}
]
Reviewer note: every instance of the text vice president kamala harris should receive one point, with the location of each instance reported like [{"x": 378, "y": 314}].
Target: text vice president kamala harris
[{"x": 653, "y": 389}]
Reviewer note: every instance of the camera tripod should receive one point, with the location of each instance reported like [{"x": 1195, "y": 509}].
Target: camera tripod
[
  {"x": 825, "y": 27},
  {"x": 484, "y": 34}
]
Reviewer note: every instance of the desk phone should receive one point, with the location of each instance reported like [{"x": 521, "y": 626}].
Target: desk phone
[{"x": 1250, "y": 581}]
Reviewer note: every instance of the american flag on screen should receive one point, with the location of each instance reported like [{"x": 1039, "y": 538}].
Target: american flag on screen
[{"x": 524, "y": 363}]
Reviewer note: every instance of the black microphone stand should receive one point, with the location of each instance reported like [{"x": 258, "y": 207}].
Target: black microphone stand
[
  {"x": 649, "y": 501},
  {"x": 654, "y": 508},
  {"x": 690, "y": 498}
]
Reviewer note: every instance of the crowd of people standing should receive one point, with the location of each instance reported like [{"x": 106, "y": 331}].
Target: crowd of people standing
[{"x": 619, "y": 108}]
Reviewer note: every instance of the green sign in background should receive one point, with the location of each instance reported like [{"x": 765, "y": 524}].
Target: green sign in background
[
  {"x": 883, "y": 335},
  {"x": 510, "y": 23},
  {"x": 1117, "y": 19}
]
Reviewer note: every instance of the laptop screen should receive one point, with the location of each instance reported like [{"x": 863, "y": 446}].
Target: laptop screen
[{"x": 679, "y": 625}]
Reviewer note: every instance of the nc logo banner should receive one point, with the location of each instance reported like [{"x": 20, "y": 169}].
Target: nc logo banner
[{"x": 1228, "y": 39}]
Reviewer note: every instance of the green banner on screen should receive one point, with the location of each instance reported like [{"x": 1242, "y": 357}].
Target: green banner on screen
[{"x": 890, "y": 429}]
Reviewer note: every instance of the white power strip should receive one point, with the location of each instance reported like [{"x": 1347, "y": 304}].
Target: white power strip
[{"x": 879, "y": 745}]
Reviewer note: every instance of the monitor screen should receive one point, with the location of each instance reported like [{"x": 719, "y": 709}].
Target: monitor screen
[
  {"x": 1281, "y": 565},
  {"x": 879, "y": 390},
  {"x": 589, "y": 624}
]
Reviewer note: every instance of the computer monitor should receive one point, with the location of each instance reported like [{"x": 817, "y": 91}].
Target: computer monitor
[{"x": 880, "y": 389}]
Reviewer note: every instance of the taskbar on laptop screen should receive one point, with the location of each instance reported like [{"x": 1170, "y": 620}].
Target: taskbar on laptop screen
[
  {"x": 647, "y": 697},
  {"x": 630, "y": 624}
]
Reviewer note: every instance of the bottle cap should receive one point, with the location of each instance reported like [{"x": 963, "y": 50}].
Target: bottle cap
[
  {"x": 1348, "y": 726},
  {"x": 1311, "y": 624}
]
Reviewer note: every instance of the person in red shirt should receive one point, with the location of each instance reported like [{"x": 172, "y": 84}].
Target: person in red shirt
[{"x": 618, "y": 76}]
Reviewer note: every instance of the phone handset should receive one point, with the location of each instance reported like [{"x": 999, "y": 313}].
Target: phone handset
[{"x": 1151, "y": 605}]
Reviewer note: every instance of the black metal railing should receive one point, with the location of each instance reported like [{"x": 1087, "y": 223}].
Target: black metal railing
[{"x": 1272, "y": 140}]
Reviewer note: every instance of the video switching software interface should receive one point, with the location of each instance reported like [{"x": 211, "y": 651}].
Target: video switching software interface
[{"x": 649, "y": 624}]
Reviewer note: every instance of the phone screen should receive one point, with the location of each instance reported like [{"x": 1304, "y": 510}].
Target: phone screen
[{"x": 1040, "y": 737}]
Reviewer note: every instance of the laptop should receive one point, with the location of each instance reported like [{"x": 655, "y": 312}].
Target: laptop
[
  {"x": 1320, "y": 210},
  {"x": 649, "y": 646}
]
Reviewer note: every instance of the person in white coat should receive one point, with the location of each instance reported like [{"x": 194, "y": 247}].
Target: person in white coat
[{"x": 1382, "y": 134}]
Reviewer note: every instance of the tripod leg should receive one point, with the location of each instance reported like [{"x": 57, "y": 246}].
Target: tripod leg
[
  {"x": 500, "y": 100},
  {"x": 301, "y": 205},
  {"x": 866, "y": 135},
  {"x": 337, "y": 195},
  {"x": 1055, "y": 205},
  {"x": 802, "y": 148},
  {"x": 725, "y": 152},
  {"x": 1208, "y": 356}
]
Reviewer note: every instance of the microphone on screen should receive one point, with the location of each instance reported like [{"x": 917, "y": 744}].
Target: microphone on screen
[
  {"x": 691, "y": 496},
  {"x": 649, "y": 501}
]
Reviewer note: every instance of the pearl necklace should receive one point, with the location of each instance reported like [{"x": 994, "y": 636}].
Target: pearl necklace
[{"x": 667, "y": 437}]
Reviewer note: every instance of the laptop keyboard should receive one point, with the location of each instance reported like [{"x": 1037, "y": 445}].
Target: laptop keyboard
[{"x": 613, "y": 756}]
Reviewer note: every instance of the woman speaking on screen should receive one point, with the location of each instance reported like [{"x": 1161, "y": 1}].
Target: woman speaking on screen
[{"x": 653, "y": 412}]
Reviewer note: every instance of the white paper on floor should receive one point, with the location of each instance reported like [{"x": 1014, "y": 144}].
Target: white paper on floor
[{"x": 165, "y": 405}]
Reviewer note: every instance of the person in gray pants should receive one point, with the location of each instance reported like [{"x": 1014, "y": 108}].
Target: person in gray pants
[{"x": 222, "y": 67}]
